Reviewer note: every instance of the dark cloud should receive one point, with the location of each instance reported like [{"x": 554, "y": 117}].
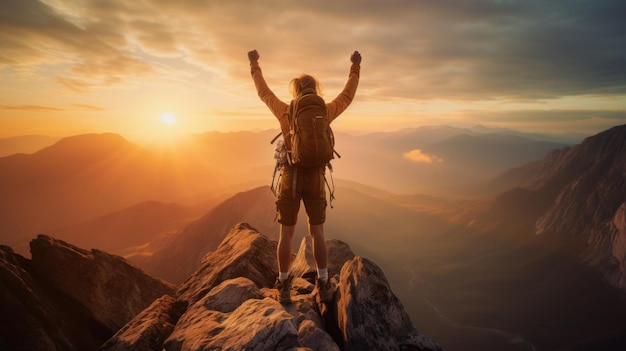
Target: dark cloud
[{"x": 506, "y": 49}]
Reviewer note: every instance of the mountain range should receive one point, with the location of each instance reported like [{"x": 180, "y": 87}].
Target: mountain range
[
  {"x": 522, "y": 242},
  {"x": 81, "y": 178}
]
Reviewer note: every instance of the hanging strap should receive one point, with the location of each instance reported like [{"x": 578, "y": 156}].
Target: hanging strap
[
  {"x": 331, "y": 191},
  {"x": 273, "y": 187},
  {"x": 276, "y": 137}
]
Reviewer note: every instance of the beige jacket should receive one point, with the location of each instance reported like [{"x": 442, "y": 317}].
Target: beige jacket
[{"x": 281, "y": 109}]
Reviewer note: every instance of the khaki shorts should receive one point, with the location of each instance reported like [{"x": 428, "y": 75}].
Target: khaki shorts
[{"x": 309, "y": 187}]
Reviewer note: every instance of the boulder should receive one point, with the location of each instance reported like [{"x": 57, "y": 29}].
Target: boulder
[
  {"x": 254, "y": 325},
  {"x": 149, "y": 329},
  {"x": 314, "y": 337},
  {"x": 229, "y": 295},
  {"x": 370, "y": 316},
  {"x": 304, "y": 266}
]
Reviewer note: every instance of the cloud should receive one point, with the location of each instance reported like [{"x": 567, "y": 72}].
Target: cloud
[
  {"x": 29, "y": 108},
  {"x": 84, "y": 107},
  {"x": 412, "y": 50},
  {"x": 418, "y": 156}
]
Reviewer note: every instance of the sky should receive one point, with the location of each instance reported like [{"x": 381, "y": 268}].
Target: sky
[{"x": 156, "y": 68}]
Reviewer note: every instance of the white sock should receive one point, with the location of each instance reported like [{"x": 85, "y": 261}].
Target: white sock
[
  {"x": 322, "y": 274},
  {"x": 282, "y": 276}
]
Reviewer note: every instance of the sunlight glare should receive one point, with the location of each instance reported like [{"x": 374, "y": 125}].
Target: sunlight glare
[{"x": 168, "y": 119}]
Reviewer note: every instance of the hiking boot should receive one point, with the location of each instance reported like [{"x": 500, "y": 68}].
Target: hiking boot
[
  {"x": 284, "y": 290},
  {"x": 325, "y": 290}
]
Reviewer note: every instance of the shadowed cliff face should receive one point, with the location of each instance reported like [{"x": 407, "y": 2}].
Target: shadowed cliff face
[
  {"x": 67, "y": 298},
  {"x": 575, "y": 198}
]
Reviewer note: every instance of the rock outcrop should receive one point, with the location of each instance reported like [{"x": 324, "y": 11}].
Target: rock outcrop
[
  {"x": 370, "y": 316},
  {"x": 112, "y": 290},
  {"x": 229, "y": 304},
  {"x": 148, "y": 330},
  {"x": 67, "y": 298}
]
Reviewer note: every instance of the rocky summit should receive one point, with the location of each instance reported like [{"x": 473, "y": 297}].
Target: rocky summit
[
  {"x": 229, "y": 304},
  {"x": 67, "y": 298}
]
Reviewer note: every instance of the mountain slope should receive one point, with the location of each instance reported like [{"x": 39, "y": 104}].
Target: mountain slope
[
  {"x": 188, "y": 245},
  {"x": 86, "y": 176},
  {"x": 25, "y": 144},
  {"x": 125, "y": 229},
  {"x": 576, "y": 196}
]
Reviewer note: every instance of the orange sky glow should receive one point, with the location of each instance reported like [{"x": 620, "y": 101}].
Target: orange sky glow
[{"x": 71, "y": 67}]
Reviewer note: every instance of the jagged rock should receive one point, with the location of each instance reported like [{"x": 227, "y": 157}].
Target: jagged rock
[
  {"x": 229, "y": 295},
  {"x": 315, "y": 338},
  {"x": 370, "y": 316},
  {"x": 68, "y": 298},
  {"x": 110, "y": 289},
  {"x": 230, "y": 310},
  {"x": 268, "y": 325},
  {"x": 35, "y": 316},
  {"x": 243, "y": 253},
  {"x": 254, "y": 325},
  {"x": 149, "y": 329},
  {"x": 307, "y": 319},
  {"x": 304, "y": 264}
]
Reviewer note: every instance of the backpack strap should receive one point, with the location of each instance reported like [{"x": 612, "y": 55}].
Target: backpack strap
[
  {"x": 331, "y": 192},
  {"x": 273, "y": 188}
]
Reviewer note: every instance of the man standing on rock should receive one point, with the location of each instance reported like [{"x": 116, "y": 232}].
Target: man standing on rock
[{"x": 302, "y": 183}]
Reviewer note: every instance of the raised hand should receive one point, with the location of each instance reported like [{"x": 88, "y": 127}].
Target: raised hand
[
  {"x": 356, "y": 58},
  {"x": 253, "y": 56}
]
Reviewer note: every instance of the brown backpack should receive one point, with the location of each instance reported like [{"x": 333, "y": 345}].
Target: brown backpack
[{"x": 310, "y": 138}]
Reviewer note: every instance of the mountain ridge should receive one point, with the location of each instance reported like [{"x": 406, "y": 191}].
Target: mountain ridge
[{"x": 577, "y": 195}]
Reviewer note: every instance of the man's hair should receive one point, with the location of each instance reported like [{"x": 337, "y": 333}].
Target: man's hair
[{"x": 305, "y": 81}]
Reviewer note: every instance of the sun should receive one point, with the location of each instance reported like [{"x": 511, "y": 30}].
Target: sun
[{"x": 168, "y": 118}]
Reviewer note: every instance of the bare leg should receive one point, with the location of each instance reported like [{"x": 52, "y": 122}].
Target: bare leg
[
  {"x": 320, "y": 252},
  {"x": 284, "y": 247}
]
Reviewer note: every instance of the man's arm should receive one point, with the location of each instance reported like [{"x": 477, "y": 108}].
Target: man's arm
[{"x": 343, "y": 100}]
